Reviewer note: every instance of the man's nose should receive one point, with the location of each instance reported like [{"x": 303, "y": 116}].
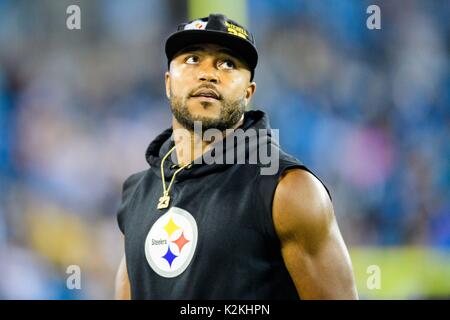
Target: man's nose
[{"x": 209, "y": 74}]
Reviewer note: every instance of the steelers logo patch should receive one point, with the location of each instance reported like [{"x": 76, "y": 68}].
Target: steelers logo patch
[
  {"x": 171, "y": 243},
  {"x": 195, "y": 25}
]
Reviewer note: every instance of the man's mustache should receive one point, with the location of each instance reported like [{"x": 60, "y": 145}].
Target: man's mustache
[{"x": 203, "y": 87}]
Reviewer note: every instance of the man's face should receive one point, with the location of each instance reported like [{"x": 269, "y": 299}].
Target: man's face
[{"x": 208, "y": 83}]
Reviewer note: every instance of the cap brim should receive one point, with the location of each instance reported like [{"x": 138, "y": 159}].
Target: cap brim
[{"x": 182, "y": 39}]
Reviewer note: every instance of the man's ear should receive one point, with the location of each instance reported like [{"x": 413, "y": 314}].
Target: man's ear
[
  {"x": 249, "y": 92},
  {"x": 167, "y": 79}
]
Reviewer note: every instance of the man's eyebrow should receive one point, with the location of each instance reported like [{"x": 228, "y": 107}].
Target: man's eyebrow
[
  {"x": 202, "y": 49},
  {"x": 226, "y": 51},
  {"x": 190, "y": 49},
  {"x": 196, "y": 48}
]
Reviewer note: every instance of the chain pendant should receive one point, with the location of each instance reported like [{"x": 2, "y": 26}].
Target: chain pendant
[{"x": 163, "y": 202}]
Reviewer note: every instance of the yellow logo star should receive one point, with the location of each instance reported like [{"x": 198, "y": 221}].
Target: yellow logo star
[{"x": 171, "y": 227}]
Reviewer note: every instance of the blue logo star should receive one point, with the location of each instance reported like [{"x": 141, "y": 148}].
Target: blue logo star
[{"x": 169, "y": 256}]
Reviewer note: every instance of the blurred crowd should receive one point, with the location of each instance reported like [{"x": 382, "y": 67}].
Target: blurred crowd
[{"x": 367, "y": 110}]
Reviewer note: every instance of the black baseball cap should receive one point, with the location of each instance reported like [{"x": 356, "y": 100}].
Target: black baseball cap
[{"x": 217, "y": 29}]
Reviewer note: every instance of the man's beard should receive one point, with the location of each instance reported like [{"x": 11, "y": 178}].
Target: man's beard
[{"x": 230, "y": 114}]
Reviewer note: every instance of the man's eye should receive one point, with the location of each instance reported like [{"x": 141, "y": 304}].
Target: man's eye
[
  {"x": 192, "y": 60},
  {"x": 227, "y": 64}
]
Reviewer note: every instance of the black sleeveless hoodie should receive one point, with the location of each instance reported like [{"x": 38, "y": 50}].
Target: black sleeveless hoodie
[{"x": 216, "y": 240}]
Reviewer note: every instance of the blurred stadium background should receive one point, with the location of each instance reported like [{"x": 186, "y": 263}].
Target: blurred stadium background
[{"x": 368, "y": 111}]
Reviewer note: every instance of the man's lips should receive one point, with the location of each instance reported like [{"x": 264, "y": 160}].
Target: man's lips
[
  {"x": 205, "y": 98},
  {"x": 206, "y": 93}
]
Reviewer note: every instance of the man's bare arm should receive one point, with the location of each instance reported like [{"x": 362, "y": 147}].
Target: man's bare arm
[
  {"x": 122, "y": 282},
  {"x": 311, "y": 243}
]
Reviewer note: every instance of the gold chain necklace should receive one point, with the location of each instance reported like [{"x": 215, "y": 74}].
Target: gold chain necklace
[{"x": 165, "y": 199}]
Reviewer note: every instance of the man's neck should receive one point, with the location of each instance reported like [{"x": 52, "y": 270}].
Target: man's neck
[{"x": 189, "y": 144}]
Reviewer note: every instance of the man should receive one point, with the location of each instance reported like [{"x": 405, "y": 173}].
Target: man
[{"x": 196, "y": 230}]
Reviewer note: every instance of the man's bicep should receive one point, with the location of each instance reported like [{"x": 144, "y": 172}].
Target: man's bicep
[
  {"x": 325, "y": 273},
  {"x": 311, "y": 243}
]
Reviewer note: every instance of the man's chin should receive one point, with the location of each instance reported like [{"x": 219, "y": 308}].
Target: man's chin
[
  {"x": 205, "y": 109},
  {"x": 218, "y": 114}
]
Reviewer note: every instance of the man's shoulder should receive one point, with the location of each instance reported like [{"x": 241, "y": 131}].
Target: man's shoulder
[
  {"x": 301, "y": 203},
  {"x": 300, "y": 182}
]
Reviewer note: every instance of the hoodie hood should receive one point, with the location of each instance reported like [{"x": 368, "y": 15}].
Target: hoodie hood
[{"x": 230, "y": 145}]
